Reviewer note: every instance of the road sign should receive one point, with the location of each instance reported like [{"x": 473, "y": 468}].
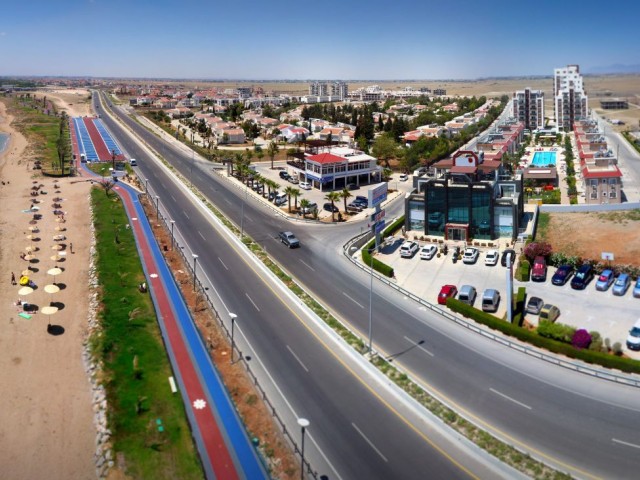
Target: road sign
[
  {"x": 377, "y": 216},
  {"x": 379, "y": 227}
]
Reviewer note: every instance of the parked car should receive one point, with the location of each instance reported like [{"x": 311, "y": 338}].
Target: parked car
[
  {"x": 583, "y": 276},
  {"x": 352, "y": 186},
  {"x": 621, "y": 284},
  {"x": 133, "y": 162},
  {"x": 534, "y": 305},
  {"x": 490, "y": 300},
  {"x": 362, "y": 201},
  {"x": 329, "y": 207},
  {"x": 447, "y": 291},
  {"x": 549, "y": 312},
  {"x": 563, "y": 273},
  {"x": 354, "y": 207},
  {"x": 633, "y": 340},
  {"x": 305, "y": 185},
  {"x": 404, "y": 177},
  {"x": 491, "y": 257},
  {"x": 636, "y": 288},
  {"x": 470, "y": 255},
  {"x": 309, "y": 208},
  {"x": 467, "y": 294},
  {"x": 272, "y": 195},
  {"x": 539, "y": 270},
  {"x": 508, "y": 253},
  {"x": 408, "y": 249},
  {"x": 280, "y": 200},
  {"x": 289, "y": 239},
  {"x": 284, "y": 175},
  {"x": 428, "y": 251},
  {"x": 605, "y": 280},
  {"x": 293, "y": 180}
]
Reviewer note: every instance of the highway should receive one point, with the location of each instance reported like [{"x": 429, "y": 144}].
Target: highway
[{"x": 580, "y": 424}]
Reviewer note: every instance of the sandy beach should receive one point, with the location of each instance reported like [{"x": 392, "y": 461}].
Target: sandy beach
[{"x": 46, "y": 414}]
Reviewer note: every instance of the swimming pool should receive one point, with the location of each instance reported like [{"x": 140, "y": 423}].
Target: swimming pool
[{"x": 543, "y": 159}]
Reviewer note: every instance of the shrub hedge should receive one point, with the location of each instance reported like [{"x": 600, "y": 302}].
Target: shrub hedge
[
  {"x": 610, "y": 361},
  {"x": 379, "y": 266}
]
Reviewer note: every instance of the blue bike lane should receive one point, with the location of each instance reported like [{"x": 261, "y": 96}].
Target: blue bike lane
[{"x": 222, "y": 441}]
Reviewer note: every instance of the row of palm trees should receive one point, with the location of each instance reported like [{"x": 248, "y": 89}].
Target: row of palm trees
[{"x": 252, "y": 178}]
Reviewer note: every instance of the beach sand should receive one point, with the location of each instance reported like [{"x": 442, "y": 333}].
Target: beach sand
[{"x": 46, "y": 412}]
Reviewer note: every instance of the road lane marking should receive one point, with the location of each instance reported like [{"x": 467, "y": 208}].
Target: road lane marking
[
  {"x": 200, "y": 233},
  {"x": 369, "y": 442},
  {"x": 185, "y": 214},
  {"x": 361, "y": 306},
  {"x": 621, "y": 442},
  {"x": 413, "y": 342},
  {"x": 225, "y": 267},
  {"x": 227, "y": 200},
  {"x": 296, "y": 357},
  {"x": 252, "y": 302},
  {"x": 510, "y": 399},
  {"x": 308, "y": 266},
  {"x": 174, "y": 199},
  {"x": 248, "y": 218}
]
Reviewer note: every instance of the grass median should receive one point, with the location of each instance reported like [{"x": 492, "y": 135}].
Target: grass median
[{"x": 148, "y": 422}]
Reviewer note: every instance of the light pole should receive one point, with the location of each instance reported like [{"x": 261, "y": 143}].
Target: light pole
[
  {"x": 195, "y": 260},
  {"x": 157, "y": 208},
  {"x": 370, "y": 303},
  {"x": 246, "y": 192},
  {"x": 172, "y": 224},
  {"x": 304, "y": 423},
  {"x": 191, "y": 172},
  {"x": 233, "y": 317}
]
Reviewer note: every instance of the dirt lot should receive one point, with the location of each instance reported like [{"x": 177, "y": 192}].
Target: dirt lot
[{"x": 590, "y": 234}]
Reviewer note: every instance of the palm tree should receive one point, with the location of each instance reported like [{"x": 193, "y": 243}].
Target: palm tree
[
  {"x": 272, "y": 151},
  {"x": 295, "y": 193},
  {"x": 263, "y": 181},
  {"x": 289, "y": 192},
  {"x": 332, "y": 197},
  {"x": 344, "y": 194},
  {"x": 304, "y": 203},
  {"x": 270, "y": 184}
]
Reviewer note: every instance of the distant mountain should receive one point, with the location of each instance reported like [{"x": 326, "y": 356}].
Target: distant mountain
[{"x": 616, "y": 68}]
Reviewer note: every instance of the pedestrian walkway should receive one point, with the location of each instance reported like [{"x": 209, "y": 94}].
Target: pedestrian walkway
[{"x": 222, "y": 441}]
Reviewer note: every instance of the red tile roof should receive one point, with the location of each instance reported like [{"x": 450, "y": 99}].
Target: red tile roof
[
  {"x": 608, "y": 173},
  {"x": 324, "y": 158}
]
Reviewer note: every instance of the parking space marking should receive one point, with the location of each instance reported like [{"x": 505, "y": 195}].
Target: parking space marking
[
  {"x": 510, "y": 399},
  {"x": 360, "y": 305},
  {"x": 225, "y": 267},
  {"x": 621, "y": 442},
  {"x": 416, "y": 344},
  {"x": 296, "y": 357},
  {"x": 252, "y": 302},
  {"x": 308, "y": 266},
  {"x": 369, "y": 442}
]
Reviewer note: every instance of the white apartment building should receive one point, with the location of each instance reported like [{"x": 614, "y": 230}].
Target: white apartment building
[
  {"x": 336, "y": 89},
  {"x": 570, "y": 98},
  {"x": 528, "y": 108}
]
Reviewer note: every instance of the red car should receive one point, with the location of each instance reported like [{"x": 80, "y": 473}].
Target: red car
[{"x": 447, "y": 291}]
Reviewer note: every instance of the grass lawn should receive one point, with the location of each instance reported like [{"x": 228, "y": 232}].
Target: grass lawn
[{"x": 136, "y": 367}]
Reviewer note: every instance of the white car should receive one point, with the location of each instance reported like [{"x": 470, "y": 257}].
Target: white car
[
  {"x": 408, "y": 249},
  {"x": 404, "y": 177},
  {"x": 470, "y": 255},
  {"x": 427, "y": 252},
  {"x": 305, "y": 185},
  {"x": 492, "y": 257}
]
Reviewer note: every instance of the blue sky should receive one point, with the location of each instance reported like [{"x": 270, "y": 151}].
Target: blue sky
[{"x": 284, "y": 39}]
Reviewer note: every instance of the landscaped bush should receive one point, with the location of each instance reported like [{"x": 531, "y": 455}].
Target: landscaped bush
[
  {"x": 537, "y": 249},
  {"x": 378, "y": 266},
  {"x": 581, "y": 339},
  {"x": 523, "y": 270},
  {"x": 596, "y": 342},
  {"x": 556, "y": 331},
  {"x": 551, "y": 197}
]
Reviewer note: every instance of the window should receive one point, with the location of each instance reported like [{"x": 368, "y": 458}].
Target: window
[{"x": 594, "y": 195}]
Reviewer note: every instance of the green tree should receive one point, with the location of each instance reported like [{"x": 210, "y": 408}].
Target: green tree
[
  {"x": 304, "y": 203},
  {"x": 384, "y": 149},
  {"x": 288, "y": 191},
  {"x": 333, "y": 197},
  {"x": 345, "y": 194},
  {"x": 272, "y": 151},
  {"x": 295, "y": 193}
]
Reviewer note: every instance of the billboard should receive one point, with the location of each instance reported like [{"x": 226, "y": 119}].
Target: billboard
[{"x": 378, "y": 195}]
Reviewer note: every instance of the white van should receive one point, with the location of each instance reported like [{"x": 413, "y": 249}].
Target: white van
[
  {"x": 133, "y": 162},
  {"x": 490, "y": 300}
]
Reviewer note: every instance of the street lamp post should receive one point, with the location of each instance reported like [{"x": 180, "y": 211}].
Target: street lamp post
[
  {"x": 157, "y": 208},
  {"x": 233, "y": 317},
  {"x": 304, "y": 423},
  {"x": 172, "y": 224},
  {"x": 195, "y": 260},
  {"x": 191, "y": 172},
  {"x": 246, "y": 193},
  {"x": 370, "y": 303}
]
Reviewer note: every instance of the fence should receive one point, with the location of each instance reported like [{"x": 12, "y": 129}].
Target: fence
[
  {"x": 516, "y": 345},
  {"x": 200, "y": 290}
]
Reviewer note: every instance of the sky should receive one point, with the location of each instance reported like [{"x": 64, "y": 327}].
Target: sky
[{"x": 285, "y": 39}]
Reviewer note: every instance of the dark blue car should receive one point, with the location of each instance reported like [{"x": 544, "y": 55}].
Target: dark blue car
[
  {"x": 583, "y": 276},
  {"x": 563, "y": 274}
]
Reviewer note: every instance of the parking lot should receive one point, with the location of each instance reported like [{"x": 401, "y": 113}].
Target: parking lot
[{"x": 604, "y": 312}]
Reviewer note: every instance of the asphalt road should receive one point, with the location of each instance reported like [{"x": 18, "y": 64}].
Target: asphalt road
[
  {"x": 581, "y": 424},
  {"x": 317, "y": 383}
]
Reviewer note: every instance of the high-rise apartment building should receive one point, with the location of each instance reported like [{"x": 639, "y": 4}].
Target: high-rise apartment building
[
  {"x": 569, "y": 96},
  {"x": 339, "y": 89},
  {"x": 528, "y": 108}
]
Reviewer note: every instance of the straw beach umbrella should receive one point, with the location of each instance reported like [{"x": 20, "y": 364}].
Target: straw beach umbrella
[
  {"x": 48, "y": 311},
  {"x": 53, "y": 272},
  {"x": 51, "y": 289}
]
